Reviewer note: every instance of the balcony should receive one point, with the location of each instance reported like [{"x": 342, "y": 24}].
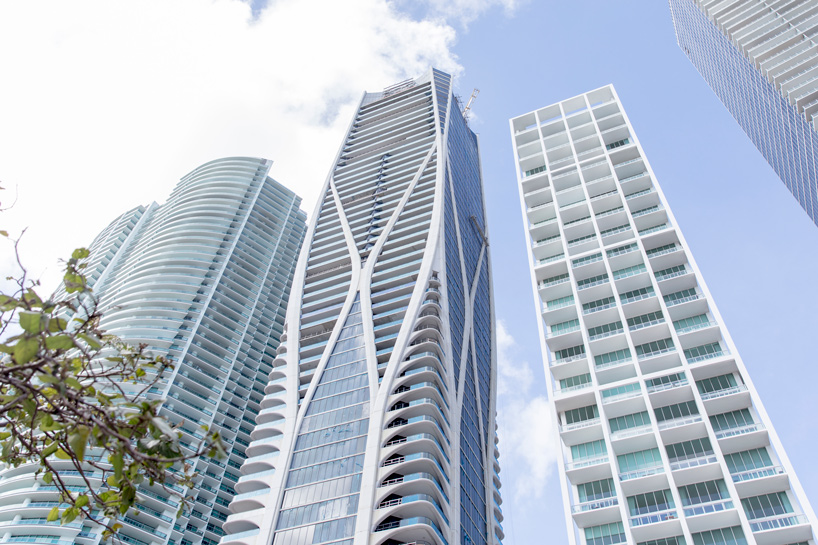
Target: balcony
[
  {"x": 653, "y": 518},
  {"x": 579, "y": 425},
  {"x": 588, "y": 469},
  {"x": 687, "y": 463},
  {"x": 640, "y": 473},
  {"x": 785, "y": 528},
  {"x": 677, "y": 422},
  {"x": 596, "y": 512},
  {"x": 594, "y": 505},
  {"x": 631, "y": 432},
  {"x": 708, "y": 507},
  {"x": 761, "y": 480}
]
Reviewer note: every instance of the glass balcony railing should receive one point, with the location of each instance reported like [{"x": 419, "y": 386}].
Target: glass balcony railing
[
  {"x": 708, "y": 507},
  {"x": 686, "y": 463},
  {"x": 682, "y": 421},
  {"x": 739, "y": 430},
  {"x": 757, "y": 473},
  {"x": 778, "y": 521},
  {"x": 579, "y": 425},
  {"x": 639, "y": 473},
  {"x": 593, "y": 505},
  {"x": 653, "y": 518},
  {"x": 631, "y": 432},
  {"x": 725, "y": 392},
  {"x": 586, "y": 462},
  {"x": 696, "y": 327}
]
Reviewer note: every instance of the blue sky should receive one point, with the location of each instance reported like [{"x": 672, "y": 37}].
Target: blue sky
[{"x": 114, "y": 102}]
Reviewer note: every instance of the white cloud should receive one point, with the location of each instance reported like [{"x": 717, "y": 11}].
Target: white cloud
[
  {"x": 465, "y": 11},
  {"x": 526, "y": 423},
  {"x": 105, "y": 105}
]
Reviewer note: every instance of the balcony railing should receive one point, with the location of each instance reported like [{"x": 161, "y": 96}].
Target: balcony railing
[
  {"x": 739, "y": 430},
  {"x": 622, "y": 396},
  {"x": 683, "y": 421},
  {"x": 569, "y": 359},
  {"x": 709, "y": 507},
  {"x": 573, "y": 388},
  {"x": 594, "y": 505},
  {"x": 687, "y": 463},
  {"x": 639, "y": 473},
  {"x": 654, "y": 518},
  {"x": 630, "y": 432},
  {"x": 695, "y": 327},
  {"x": 723, "y": 393},
  {"x": 778, "y": 521},
  {"x": 586, "y": 462},
  {"x": 711, "y": 355},
  {"x": 758, "y": 473},
  {"x": 579, "y": 425}
]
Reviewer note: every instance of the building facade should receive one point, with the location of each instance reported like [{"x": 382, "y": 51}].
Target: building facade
[
  {"x": 761, "y": 60},
  {"x": 203, "y": 280},
  {"x": 664, "y": 440},
  {"x": 378, "y": 426}
]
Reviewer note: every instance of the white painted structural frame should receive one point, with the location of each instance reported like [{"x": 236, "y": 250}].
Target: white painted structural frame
[
  {"x": 370, "y": 357},
  {"x": 664, "y": 440}
]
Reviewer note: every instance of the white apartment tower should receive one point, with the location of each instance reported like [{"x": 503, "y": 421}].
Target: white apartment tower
[
  {"x": 378, "y": 423},
  {"x": 203, "y": 280},
  {"x": 664, "y": 440}
]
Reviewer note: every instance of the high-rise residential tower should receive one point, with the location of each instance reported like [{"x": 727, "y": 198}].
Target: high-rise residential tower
[
  {"x": 204, "y": 280},
  {"x": 664, "y": 440},
  {"x": 761, "y": 60},
  {"x": 378, "y": 426}
]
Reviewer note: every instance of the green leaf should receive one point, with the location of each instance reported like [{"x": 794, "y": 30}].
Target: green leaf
[
  {"x": 117, "y": 462},
  {"x": 93, "y": 342},
  {"x": 48, "y": 477},
  {"x": 56, "y": 325},
  {"x": 31, "y": 322},
  {"x": 82, "y": 501},
  {"x": 73, "y": 383},
  {"x": 50, "y": 449},
  {"x": 59, "y": 342},
  {"x": 80, "y": 253},
  {"x": 62, "y": 455},
  {"x": 48, "y": 379},
  {"x": 54, "y": 514},
  {"x": 78, "y": 440},
  {"x": 25, "y": 350},
  {"x": 69, "y": 515}
]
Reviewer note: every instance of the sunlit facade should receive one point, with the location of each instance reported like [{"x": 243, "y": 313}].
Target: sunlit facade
[
  {"x": 203, "y": 280},
  {"x": 378, "y": 424},
  {"x": 664, "y": 440}
]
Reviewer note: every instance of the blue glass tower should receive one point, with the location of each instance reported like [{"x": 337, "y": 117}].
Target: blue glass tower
[
  {"x": 378, "y": 424},
  {"x": 761, "y": 60}
]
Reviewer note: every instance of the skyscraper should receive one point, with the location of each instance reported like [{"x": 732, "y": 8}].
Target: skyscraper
[
  {"x": 664, "y": 440},
  {"x": 378, "y": 426},
  {"x": 203, "y": 280},
  {"x": 761, "y": 60}
]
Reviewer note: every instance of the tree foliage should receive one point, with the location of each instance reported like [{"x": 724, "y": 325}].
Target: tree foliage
[{"x": 73, "y": 400}]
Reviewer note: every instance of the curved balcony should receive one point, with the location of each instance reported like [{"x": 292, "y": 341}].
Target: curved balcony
[
  {"x": 424, "y": 373},
  {"x": 418, "y": 424},
  {"x": 418, "y": 407},
  {"x": 411, "y": 506},
  {"x": 417, "y": 462},
  {"x": 261, "y": 462},
  {"x": 267, "y": 430},
  {"x": 409, "y": 531}
]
